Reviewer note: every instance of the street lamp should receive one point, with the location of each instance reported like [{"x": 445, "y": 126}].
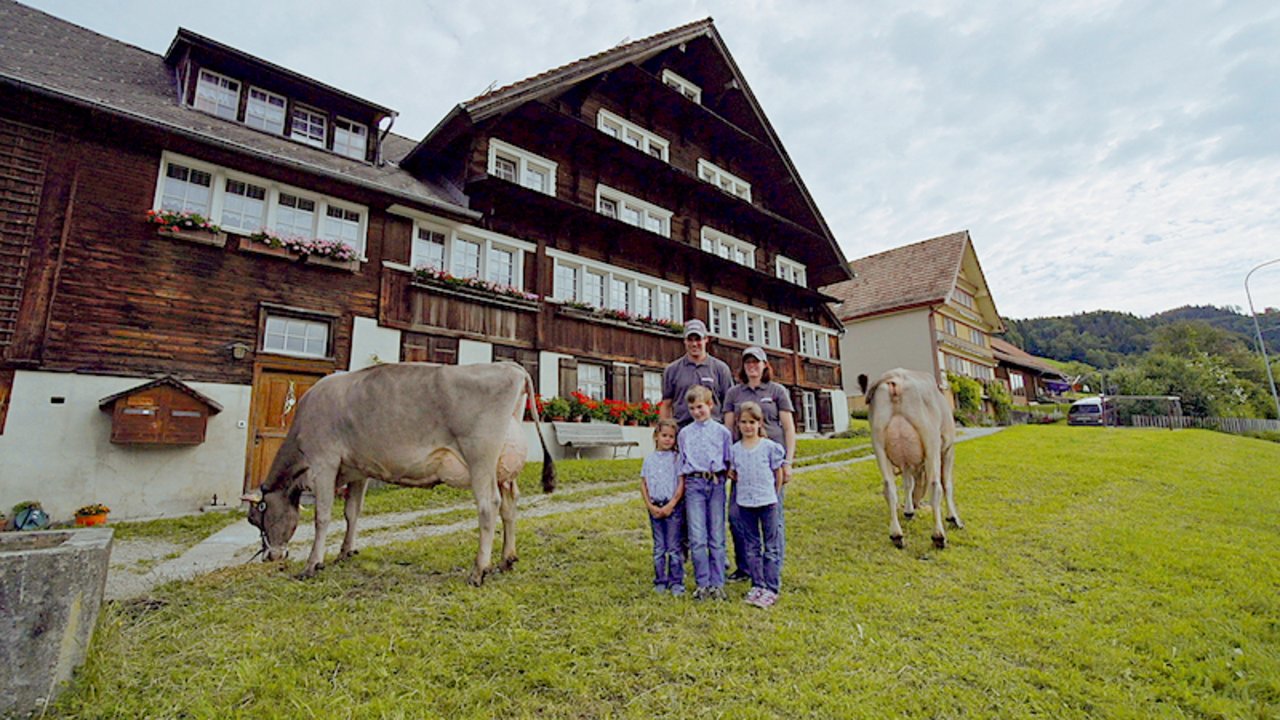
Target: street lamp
[{"x": 1262, "y": 346}]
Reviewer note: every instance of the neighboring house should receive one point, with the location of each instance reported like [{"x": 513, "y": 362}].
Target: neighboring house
[
  {"x": 924, "y": 306},
  {"x": 580, "y": 216},
  {"x": 1027, "y": 376}
]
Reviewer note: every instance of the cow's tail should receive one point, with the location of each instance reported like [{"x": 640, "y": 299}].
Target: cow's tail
[{"x": 548, "y": 465}]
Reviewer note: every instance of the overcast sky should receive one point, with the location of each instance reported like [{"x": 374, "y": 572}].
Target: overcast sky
[{"x": 1103, "y": 155}]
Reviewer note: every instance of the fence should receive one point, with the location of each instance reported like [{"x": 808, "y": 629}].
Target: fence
[{"x": 1238, "y": 426}]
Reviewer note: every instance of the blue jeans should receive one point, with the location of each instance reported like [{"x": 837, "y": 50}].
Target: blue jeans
[
  {"x": 760, "y": 530},
  {"x": 736, "y": 527},
  {"x": 704, "y": 515},
  {"x": 668, "y": 533}
]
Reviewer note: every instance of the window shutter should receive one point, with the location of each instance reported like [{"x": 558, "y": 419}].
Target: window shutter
[
  {"x": 568, "y": 376},
  {"x": 826, "y": 416},
  {"x": 637, "y": 385},
  {"x": 617, "y": 382}
]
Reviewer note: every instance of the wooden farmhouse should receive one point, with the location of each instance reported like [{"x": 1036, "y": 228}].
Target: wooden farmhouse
[
  {"x": 924, "y": 306},
  {"x": 570, "y": 222}
]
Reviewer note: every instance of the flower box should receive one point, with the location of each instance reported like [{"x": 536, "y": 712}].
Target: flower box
[
  {"x": 475, "y": 295},
  {"x": 253, "y": 246},
  {"x": 199, "y": 237},
  {"x": 348, "y": 265},
  {"x": 597, "y": 316}
]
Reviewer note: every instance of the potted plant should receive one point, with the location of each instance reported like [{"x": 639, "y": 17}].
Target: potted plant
[
  {"x": 579, "y": 406},
  {"x": 28, "y": 515},
  {"x": 95, "y": 514},
  {"x": 558, "y": 409},
  {"x": 187, "y": 225}
]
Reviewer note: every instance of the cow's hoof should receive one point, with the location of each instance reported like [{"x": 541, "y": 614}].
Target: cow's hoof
[
  {"x": 477, "y": 578},
  {"x": 310, "y": 572},
  {"x": 897, "y": 541},
  {"x": 346, "y": 554},
  {"x": 940, "y": 541},
  {"x": 507, "y": 564},
  {"x": 908, "y": 516},
  {"x": 955, "y": 522}
]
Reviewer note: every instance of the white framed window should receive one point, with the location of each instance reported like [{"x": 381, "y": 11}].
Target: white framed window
[
  {"x": 428, "y": 248},
  {"x": 307, "y": 126},
  {"x": 738, "y": 321},
  {"x": 975, "y": 336},
  {"x": 809, "y": 407},
  {"x": 729, "y": 247},
  {"x": 632, "y": 134},
  {"x": 815, "y": 340},
  {"x": 652, "y": 387},
  {"x": 723, "y": 179},
  {"x": 591, "y": 380},
  {"x": 963, "y": 297},
  {"x": 790, "y": 270},
  {"x": 587, "y": 281},
  {"x": 244, "y": 206},
  {"x": 294, "y": 215},
  {"x": 186, "y": 188},
  {"x": 350, "y": 138},
  {"x": 217, "y": 95},
  {"x": 1017, "y": 384},
  {"x": 682, "y": 86},
  {"x": 265, "y": 111},
  {"x": 466, "y": 258},
  {"x": 521, "y": 166},
  {"x": 466, "y": 251},
  {"x": 502, "y": 266},
  {"x": 949, "y": 327},
  {"x": 296, "y": 336},
  {"x": 632, "y": 210},
  {"x": 245, "y": 203}
]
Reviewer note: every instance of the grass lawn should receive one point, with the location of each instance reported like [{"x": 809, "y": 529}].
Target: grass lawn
[{"x": 1102, "y": 573}]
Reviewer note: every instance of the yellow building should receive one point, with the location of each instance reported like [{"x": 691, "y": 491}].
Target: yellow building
[{"x": 924, "y": 306}]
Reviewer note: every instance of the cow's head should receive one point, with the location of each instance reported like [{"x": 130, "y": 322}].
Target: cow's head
[{"x": 275, "y": 514}]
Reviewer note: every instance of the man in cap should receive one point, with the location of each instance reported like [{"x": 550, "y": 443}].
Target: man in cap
[{"x": 695, "y": 367}]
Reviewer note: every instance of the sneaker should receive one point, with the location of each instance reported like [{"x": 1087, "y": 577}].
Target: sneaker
[
  {"x": 660, "y": 589},
  {"x": 677, "y": 590},
  {"x": 701, "y": 593},
  {"x": 738, "y": 576},
  {"x": 752, "y": 595},
  {"x": 716, "y": 593},
  {"x": 767, "y": 599}
]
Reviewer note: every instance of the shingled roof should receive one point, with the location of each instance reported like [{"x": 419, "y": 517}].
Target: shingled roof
[
  {"x": 43, "y": 54},
  {"x": 1011, "y": 354},
  {"x": 915, "y": 275}
]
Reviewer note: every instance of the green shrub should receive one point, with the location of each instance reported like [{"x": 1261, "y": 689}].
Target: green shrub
[
  {"x": 968, "y": 393},
  {"x": 1001, "y": 400}
]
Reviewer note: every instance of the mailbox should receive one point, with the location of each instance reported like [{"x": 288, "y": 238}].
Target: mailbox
[{"x": 162, "y": 412}]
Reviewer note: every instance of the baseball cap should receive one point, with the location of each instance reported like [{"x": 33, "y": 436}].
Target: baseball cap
[
  {"x": 756, "y": 353},
  {"x": 695, "y": 327}
]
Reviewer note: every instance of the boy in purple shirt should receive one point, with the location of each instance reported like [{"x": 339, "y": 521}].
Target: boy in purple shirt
[{"x": 704, "y": 459}]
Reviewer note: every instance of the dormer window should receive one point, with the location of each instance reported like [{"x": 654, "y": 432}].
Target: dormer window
[
  {"x": 265, "y": 111},
  {"x": 350, "y": 138},
  {"x": 218, "y": 95},
  {"x": 307, "y": 126},
  {"x": 728, "y": 247},
  {"x": 522, "y": 167},
  {"x": 682, "y": 86},
  {"x": 632, "y": 211},
  {"x": 791, "y": 271}
]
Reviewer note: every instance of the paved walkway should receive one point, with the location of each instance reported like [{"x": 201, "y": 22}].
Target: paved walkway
[{"x": 137, "y": 566}]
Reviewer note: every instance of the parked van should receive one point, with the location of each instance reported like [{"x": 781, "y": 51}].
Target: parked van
[{"x": 1089, "y": 411}]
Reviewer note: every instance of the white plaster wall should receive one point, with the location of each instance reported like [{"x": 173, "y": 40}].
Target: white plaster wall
[
  {"x": 549, "y": 373},
  {"x": 371, "y": 344},
  {"x": 873, "y": 346},
  {"x": 472, "y": 352},
  {"x": 62, "y": 456}
]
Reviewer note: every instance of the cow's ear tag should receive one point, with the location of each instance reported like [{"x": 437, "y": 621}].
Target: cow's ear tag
[{"x": 262, "y": 506}]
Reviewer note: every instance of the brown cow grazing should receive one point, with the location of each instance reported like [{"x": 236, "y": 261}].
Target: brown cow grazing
[
  {"x": 913, "y": 432},
  {"x": 409, "y": 424}
]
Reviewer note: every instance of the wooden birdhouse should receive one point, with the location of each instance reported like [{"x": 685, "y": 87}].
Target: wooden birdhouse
[{"x": 162, "y": 412}]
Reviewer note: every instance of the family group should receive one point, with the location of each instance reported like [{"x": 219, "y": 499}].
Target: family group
[{"x": 722, "y": 451}]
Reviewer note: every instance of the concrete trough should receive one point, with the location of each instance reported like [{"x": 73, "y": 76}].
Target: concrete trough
[{"x": 51, "y": 586}]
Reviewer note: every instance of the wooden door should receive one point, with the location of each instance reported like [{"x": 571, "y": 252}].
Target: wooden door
[{"x": 275, "y": 400}]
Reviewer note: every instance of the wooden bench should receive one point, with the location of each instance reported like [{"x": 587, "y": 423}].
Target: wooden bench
[{"x": 589, "y": 435}]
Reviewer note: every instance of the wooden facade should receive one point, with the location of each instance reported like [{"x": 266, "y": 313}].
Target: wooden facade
[{"x": 90, "y": 287}]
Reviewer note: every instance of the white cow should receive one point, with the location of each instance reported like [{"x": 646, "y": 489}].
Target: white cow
[
  {"x": 409, "y": 424},
  {"x": 913, "y": 432}
]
